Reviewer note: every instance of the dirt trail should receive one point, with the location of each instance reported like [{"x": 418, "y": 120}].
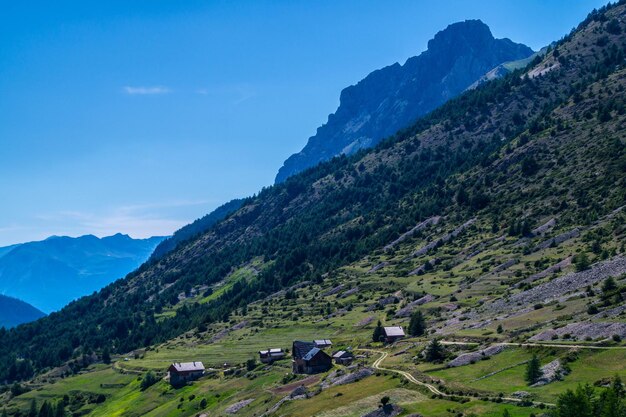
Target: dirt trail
[{"x": 430, "y": 387}]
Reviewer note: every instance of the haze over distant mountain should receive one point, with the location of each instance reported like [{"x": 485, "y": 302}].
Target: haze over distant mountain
[
  {"x": 50, "y": 273},
  {"x": 391, "y": 98},
  {"x": 14, "y": 312}
]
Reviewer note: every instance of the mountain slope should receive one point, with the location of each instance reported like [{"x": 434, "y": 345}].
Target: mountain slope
[
  {"x": 14, "y": 312},
  {"x": 197, "y": 227},
  {"x": 52, "y": 272},
  {"x": 393, "y": 97},
  {"x": 498, "y": 162}
]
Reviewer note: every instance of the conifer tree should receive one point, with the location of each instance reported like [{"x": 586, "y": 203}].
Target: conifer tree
[
  {"x": 378, "y": 332},
  {"x": 106, "y": 355},
  {"x": 533, "y": 370},
  {"x": 417, "y": 325},
  {"x": 435, "y": 351}
]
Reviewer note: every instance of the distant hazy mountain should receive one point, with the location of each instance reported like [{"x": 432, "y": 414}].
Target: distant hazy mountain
[
  {"x": 14, "y": 312},
  {"x": 50, "y": 273},
  {"x": 200, "y": 225},
  {"x": 391, "y": 98}
]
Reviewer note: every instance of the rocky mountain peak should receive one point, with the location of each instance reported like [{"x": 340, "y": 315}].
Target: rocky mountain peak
[{"x": 391, "y": 98}]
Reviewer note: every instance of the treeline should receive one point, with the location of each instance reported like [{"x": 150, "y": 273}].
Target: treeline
[
  {"x": 196, "y": 228},
  {"x": 584, "y": 401},
  {"x": 47, "y": 409}
]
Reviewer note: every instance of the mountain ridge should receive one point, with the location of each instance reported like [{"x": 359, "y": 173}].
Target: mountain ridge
[
  {"x": 390, "y": 98},
  {"x": 50, "y": 273},
  {"x": 14, "y": 312}
]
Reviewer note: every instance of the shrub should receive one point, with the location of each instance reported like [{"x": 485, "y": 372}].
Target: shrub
[{"x": 148, "y": 380}]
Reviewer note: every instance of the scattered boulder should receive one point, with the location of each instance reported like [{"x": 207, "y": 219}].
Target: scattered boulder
[
  {"x": 224, "y": 332},
  {"x": 422, "y": 268},
  {"x": 233, "y": 409},
  {"x": 522, "y": 395},
  {"x": 581, "y": 331},
  {"x": 558, "y": 239},
  {"x": 612, "y": 312},
  {"x": 544, "y": 228},
  {"x": 430, "y": 221},
  {"x": 408, "y": 309},
  {"x": 505, "y": 265},
  {"x": 444, "y": 239},
  {"x": 334, "y": 290},
  {"x": 337, "y": 378},
  {"x": 392, "y": 299},
  {"x": 299, "y": 392},
  {"x": 366, "y": 321},
  {"x": 378, "y": 267},
  {"x": 556, "y": 288},
  {"x": 390, "y": 410},
  {"x": 349, "y": 292},
  {"x": 554, "y": 268},
  {"x": 473, "y": 357}
]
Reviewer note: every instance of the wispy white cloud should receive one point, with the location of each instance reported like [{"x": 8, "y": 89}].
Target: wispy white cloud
[{"x": 142, "y": 91}]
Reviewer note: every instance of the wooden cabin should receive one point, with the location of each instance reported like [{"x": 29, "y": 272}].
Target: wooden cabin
[
  {"x": 181, "y": 373},
  {"x": 309, "y": 359},
  {"x": 393, "y": 333},
  {"x": 343, "y": 357},
  {"x": 323, "y": 343},
  {"x": 271, "y": 355}
]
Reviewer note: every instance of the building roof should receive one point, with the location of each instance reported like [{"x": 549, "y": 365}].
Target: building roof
[
  {"x": 188, "y": 366},
  {"x": 271, "y": 351},
  {"x": 311, "y": 354},
  {"x": 323, "y": 342},
  {"x": 394, "y": 331},
  {"x": 342, "y": 354},
  {"x": 300, "y": 349}
]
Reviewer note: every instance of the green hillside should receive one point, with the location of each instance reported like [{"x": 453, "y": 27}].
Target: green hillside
[{"x": 498, "y": 217}]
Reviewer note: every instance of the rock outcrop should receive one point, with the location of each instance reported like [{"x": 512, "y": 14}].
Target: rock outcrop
[
  {"x": 391, "y": 98},
  {"x": 551, "y": 372},
  {"x": 473, "y": 357},
  {"x": 582, "y": 331}
]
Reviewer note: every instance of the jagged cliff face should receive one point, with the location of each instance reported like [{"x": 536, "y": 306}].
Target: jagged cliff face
[{"x": 391, "y": 98}]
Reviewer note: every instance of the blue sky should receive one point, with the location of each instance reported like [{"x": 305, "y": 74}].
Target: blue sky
[{"x": 140, "y": 116}]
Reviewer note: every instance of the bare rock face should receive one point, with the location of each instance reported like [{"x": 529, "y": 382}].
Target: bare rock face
[
  {"x": 391, "y": 98},
  {"x": 553, "y": 371}
]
